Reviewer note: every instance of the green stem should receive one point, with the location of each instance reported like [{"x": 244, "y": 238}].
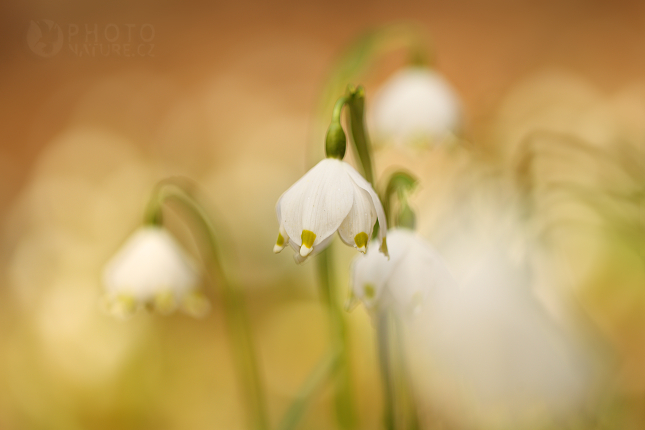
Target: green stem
[
  {"x": 234, "y": 307},
  {"x": 400, "y": 410},
  {"x": 400, "y": 185},
  {"x": 338, "y": 108},
  {"x": 356, "y": 102},
  {"x": 344, "y": 402},
  {"x": 383, "y": 337},
  {"x": 323, "y": 371},
  {"x": 408, "y": 403}
]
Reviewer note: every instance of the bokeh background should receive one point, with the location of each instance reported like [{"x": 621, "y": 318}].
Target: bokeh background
[{"x": 228, "y": 94}]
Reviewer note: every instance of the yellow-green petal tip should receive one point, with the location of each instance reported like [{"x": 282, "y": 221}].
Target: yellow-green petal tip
[{"x": 361, "y": 241}]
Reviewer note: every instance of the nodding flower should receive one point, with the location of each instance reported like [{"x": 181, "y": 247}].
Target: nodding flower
[
  {"x": 330, "y": 197},
  {"x": 416, "y": 106},
  {"x": 152, "y": 270}
]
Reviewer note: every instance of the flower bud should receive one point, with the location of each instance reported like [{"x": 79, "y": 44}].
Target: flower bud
[{"x": 336, "y": 141}]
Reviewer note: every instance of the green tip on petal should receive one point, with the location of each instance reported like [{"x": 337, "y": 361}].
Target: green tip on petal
[
  {"x": 384, "y": 248},
  {"x": 279, "y": 244},
  {"x": 308, "y": 237},
  {"x": 164, "y": 303},
  {"x": 123, "y": 306},
  {"x": 370, "y": 291},
  {"x": 361, "y": 241},
  {"x": 196, "y": 304}
]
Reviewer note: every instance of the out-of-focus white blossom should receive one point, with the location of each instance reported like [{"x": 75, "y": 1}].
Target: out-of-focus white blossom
[
  {"x": 330, "y": 197},
  {"x": 415, "y": 273},
  {"x": 507, "y": 351},
  {"x": 152, "y": 269},
  {"x": 416, "y": 106}
]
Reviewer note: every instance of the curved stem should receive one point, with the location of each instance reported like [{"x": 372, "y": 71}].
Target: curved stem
[
  {"x": 338, "y": 108},
  {"x": 234, "y": 307},
  {"x": 356, "y": 102}
]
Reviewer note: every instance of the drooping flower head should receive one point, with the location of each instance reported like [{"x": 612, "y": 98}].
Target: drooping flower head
[
  {"x": 416, "y": 105},
  {"x": 151, "y": 269},
  {"x": 415, "y": 273},
  {"x": 330, "y": 197}
]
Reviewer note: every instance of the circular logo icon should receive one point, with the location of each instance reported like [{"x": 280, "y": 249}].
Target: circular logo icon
[{"x": 45, "y": 38}]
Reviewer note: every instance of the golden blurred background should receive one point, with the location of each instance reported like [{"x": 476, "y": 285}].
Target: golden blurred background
[{"x": 228, "y": 94}]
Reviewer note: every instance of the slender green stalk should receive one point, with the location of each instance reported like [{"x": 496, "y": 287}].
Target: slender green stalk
[
  {"x": 338, "y": 108},
  {"x": 384, "y": 355},
  {"x": 408, "y": 404},
  {"x": 356, "y": 101},
  {"x": 400, "y": 409},
  {"x": 344, "y": 402},
  {"x": 234, "y": 307},
  {"x": 321, "y": 374}
]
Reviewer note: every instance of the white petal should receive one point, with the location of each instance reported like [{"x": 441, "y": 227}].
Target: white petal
[
  {"x": 416, "y": 103},
  {"x": 318, "y": 202},
  {"x": 421, "y": 275},
  {"x": 369, "y": 274},
  {"x": 373, "y": 271},
  {"x": 150, "y": 263},
  {"x": 282, "y": 241},
  {"x": 317, "y": 249},
  {"x": 360, "y": 219},
  {"x": 362, "y": 183},
  {"x": 278, "y": 206}
]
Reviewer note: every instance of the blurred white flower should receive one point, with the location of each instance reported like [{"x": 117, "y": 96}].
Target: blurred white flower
[
  {"x": 510, "y": 351},
  {"x": 415, "y": 106},
  {"x": 152, "y": 269},
  {"x": 497, "y": 350},
  {"x": 414, "y": 273},
  {"x": 331, "y": 197}
]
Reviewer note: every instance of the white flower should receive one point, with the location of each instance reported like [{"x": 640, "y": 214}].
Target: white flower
[
  {"x": 415, "y": 105},
  {"x": 331, "y": 197},
  {"x": 415, "y": 273},
  {"x": 152, "y": 269}
]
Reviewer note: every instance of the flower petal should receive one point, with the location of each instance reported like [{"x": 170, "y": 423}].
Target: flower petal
[
  {"x": 378, "y": 207},
  {"x": 151, "y": 261},
  {"x": 420, "y": 275},
  {"x": 317, "y": 249},
  {"x": 371, "y": 273},
  {"x": 318, "y": 202},
  {"x": 281, "y": 241},
  {"x": 415, "y": 105},
  {"x": 357, "y": 227}
]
